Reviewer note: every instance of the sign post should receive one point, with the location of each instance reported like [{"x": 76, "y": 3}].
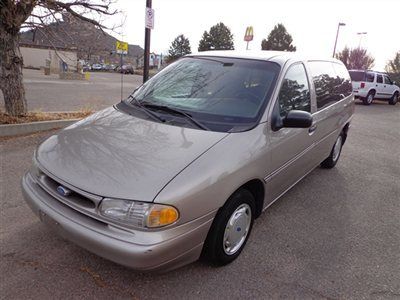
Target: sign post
[
  {"x": 149, "y": 25},
  {"x": 122, "y": 49},
  {"x": 248, "y": 36}
]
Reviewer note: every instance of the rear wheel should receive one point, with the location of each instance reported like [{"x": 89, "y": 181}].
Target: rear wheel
[
  {"x": 230, "y": 229},
  {"x": 368, "y": 100},
  {"x": 394, "y": 99},
  {"x": 333, "y": 157}
]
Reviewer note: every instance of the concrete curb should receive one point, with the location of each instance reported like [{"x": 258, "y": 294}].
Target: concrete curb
[{"x": 26, "y": 128}]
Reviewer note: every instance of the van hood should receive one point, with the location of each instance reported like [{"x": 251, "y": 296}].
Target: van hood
[{"x": 112, "y": 154}]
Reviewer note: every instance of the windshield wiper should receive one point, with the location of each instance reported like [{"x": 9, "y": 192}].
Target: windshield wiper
[
  {"x": 146, "y": 110},
  {"x": 176, "y": 111}
]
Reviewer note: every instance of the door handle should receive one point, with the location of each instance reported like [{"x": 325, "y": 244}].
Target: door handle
[{"x": 312, "y": 128}]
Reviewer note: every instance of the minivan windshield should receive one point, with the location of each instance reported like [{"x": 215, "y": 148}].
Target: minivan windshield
[{"x": 224, "y": 94}]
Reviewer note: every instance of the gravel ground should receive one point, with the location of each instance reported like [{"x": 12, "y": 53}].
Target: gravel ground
[{"x": 335, "y": 235}]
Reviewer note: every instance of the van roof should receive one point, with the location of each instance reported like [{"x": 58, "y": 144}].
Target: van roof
[{"x": 280, "y": 57}]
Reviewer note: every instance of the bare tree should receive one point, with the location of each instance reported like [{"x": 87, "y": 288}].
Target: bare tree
[
  {"x": 357, "y": 58},
  {"x": 17, "y": 14}
]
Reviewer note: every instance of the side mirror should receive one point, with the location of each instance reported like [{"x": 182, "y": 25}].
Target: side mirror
[
  {"x": 294, "y": 119},
  {"x": 297, "y": 119}
]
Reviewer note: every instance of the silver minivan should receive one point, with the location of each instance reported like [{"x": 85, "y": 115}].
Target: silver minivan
[{"x": 182, "y": 168}]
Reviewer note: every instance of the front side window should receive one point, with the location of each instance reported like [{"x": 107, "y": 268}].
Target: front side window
[
  {"x": 221, "y": 93},
  {"x": 379, "y": 78},
  {"x": 294, "y": 93}
]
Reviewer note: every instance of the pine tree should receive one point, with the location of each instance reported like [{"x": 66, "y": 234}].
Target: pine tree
[
  {"x": 278, "y": 39},
  {"x": 218, "y": 38},
  {"x": 179, "y": 47}
]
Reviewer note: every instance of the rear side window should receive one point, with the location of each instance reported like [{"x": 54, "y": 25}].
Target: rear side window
[
  {"x": 379, "y": 79},
  {"x": 294, "y": 93},
  {"x": 370, "y": 77},
  {"x": 328, "y": 85}
]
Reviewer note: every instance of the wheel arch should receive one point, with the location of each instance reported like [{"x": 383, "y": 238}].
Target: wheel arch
[{"x": 257, "y": 189}]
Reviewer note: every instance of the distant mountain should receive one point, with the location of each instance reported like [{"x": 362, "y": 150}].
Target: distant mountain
[{"x": 92, "y": 43}]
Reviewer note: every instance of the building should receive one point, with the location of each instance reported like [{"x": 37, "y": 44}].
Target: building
[{"x": 57, "y": 58}]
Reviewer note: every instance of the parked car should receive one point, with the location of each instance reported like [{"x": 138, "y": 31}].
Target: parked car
[
  {"x": 127, "y": 69},
  {"x": 86, "y": 68},
  {"x": 97, "y": 67},
  {"x": 183, "y": 167},
  {"x": 370, "y": 85}
]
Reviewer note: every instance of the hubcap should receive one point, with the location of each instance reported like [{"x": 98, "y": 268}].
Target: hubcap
[
  {"x": 370, "y": 98},
  {"x": 237, "y": 229},
  {"x": 336, "y": 148}
]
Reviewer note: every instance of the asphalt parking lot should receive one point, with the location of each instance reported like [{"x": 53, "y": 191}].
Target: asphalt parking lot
[
  {"x": 335, "y": 235},
  {"x": 49, "y": 93}
]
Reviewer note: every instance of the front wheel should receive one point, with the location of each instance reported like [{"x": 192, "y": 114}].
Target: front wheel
[
  {"x": 394, "y": 99},
  {"x": 333, "y": 157},
  {"x": 230, "y": 229}
]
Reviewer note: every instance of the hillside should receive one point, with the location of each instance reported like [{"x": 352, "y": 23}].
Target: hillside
[{"x": 92, "y": 43}]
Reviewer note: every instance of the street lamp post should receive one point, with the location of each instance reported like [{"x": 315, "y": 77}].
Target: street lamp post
[
  {"x": 361, "y": 35},
  {"x": 337, "y": 35}
]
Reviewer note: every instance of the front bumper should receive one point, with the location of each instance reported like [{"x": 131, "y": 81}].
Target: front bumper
[{"x": 161, "y": 250}]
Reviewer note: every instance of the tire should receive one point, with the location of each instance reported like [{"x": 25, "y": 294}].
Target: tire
[
  {"x": 368, "y": 100},
  {"x": 333, "y": 157},
  {"x": 239, "y": 211},
  {"x": 394, "y": 99}
]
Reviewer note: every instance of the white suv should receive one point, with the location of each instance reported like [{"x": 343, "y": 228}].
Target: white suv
[{"x": 370, "y": 85}]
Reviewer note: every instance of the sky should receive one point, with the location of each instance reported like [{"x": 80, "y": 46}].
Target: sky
[{"x": 312, "y": 23}]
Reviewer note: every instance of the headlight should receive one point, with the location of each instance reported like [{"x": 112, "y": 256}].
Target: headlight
[{"x": 138, "y": 214}]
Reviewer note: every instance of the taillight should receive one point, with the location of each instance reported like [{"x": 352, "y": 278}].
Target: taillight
[{"x": 362, "y": 85}]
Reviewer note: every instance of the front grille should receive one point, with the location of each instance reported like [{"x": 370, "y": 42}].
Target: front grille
[
  {"x": 78, "y": 200},
  {"x": 50, "y": 185}
]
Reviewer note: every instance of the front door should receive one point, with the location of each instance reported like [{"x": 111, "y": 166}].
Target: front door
[
  {"x": 388, "y": 86},
  {"x": 290, "y": 148},
  {"x": 380, "y": 87}
]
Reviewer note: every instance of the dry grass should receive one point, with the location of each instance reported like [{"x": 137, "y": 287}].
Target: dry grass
[{"x": 37, "y": 116}]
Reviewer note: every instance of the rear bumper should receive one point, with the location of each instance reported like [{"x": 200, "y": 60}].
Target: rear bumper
[
  {"x": 360, "y": 93},
  {"x": 161, "y": 250}
]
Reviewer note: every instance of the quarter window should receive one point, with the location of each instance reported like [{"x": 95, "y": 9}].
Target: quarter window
[
  {"x": 344, "y": 88},
  {"x": 294, "y": 93}
]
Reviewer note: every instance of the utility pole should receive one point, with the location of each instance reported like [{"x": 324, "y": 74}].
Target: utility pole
[
  {"x": 147, "y": 32},
  {"x": 337, "y": 35}
]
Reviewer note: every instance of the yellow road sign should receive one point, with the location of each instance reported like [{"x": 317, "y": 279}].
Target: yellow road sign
[
  {"x": 121, "y": 47},
  {"x": 248, "y": 36}
]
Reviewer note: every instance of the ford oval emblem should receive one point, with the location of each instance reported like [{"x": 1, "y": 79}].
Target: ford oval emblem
[{"x": 63, "y": 191}]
